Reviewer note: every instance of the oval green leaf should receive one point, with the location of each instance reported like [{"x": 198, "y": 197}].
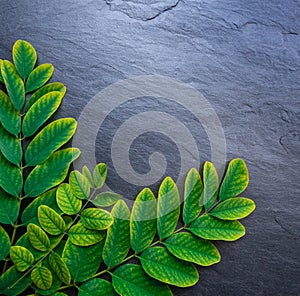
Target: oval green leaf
[
  {"x": 168, "y": 208},
  {"x": 21, "y": 257},
  {"x": 143, "y": 221},
  {"x": 24, "y": 57},
  {"x": 14, "y": 84},
  {"x": 233, "y": 208},
  {"x": 211, "y": 184},
  {"x": 96, "y": 219},
  {"x": 40, "y": 112},
  {"x": 162, "y": 266},
  {"x": 4, "y": 243},
  {"x": 100, "y": 173},
  {"x": 38, "y": 238},
  {"x": 1, "y": 78},
  {"x": 187, "y": 247},
  {"x": 94, "y": 286},
  {"x": 60, "y": 268},
  {"x": 9, "y": 117},
  {"x": 106, "y": 199},
  {"x": 38, "y": 77},
  {"x": 42, "y": 277},
  {"x": 49, "y": 139},
  {"x": 81, "y": 236},
  {"x": 117, "y": 242},
  {"x": 51, "y": 173},
  {"x": 51, "y": 221},
  {"x": 86, "y": 172},
  {"x": 130, "y": 279},
  {"x": 236, "y": 179},
  {"x": 80, "y": 185},
  {"x": 9, "y": 210},
  {"x": 193, "y": 188},
  {"x": 211, "y": 228}
]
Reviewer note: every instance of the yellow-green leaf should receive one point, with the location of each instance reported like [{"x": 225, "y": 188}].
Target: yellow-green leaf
[
  {"x": 106, "y": 199},
  {"x": 14, "y": 84},
  {"x": 1, "y": 78},
  {"x": 143, "y": 221},
  {"x": 80, "y": 185},
  {"x": 38, "y": 77},
  {"x": 50, "y": 173},
  {"x": 21, "y": 257},
  {"x": 192, "y": 196},
  {"x": 81, "y": 236},
  {"x": 55, "y": 86},
  {"x": 24, "y": 56},
  {"x": 117, "y": 242},
  {"x": 93, "y": 286},
  {"x": 9, "y": 117},
  {"x": 187, "y": 247},
  {"x": 130, "y": 279},
  {"x": 49, "y": 139},
  {"x": 168, "y": 208},
  {"x": 4, "y": 243},
  {"x": 236, "y": 179},
  {"x": 42, "y": 277},
  {"x": 211, "y": 184},
  {"x": 38, "y": 238},
  {"x": 96, "y": 219},
  {"x": 211, "y": 228},
  {"x": 9, "y": 209},
  {"x": 51, "y": 222},
  {"x": 86, "y": 172},
  {"x": 100, "y": 173},
  {"x": 10, "y": 146},
  {"x": 233, "y": 208},
  {"x": 40, "y": 112},
  {"x": 11, "y": 179},
  {"x": 60, "y": 268},
  {"x": 162, "y": 266},
  {"x": 66, "y": 200}
]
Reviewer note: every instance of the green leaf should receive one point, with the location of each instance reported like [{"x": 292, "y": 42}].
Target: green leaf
[
  {"x": 143, "y": 221},
  {"x": 211, "y": 184},
  {"x": 211, "y": 228},
  {"x": 9, "y": 117},
  {"x": 100, "y": 173},
  {"x": 117, "y": 242},
  {"x": 81, "y": 236},
  {"x": 86, "y": 172},
  {"x": 96, "y": 219},
  {"x": 42, "y": 277},
  {"x": 21, "y": 257},
  {"x": 29, "y": 214},
  {"x": 82, "y": 262},
  {"x": 38, "y": 238},
  {"x": 233, "y": 208},
  {"x": 49, "y": 139},
  {"x": 10, "y": 146},
  {"x": 168, "y": 208},
  {"x": 1, "y": 78},
  {"x": 162, "y": 266},
  {"x": 51, "y": 221},
  {"x": 40, "y": 112},
  {"x": 13, "y": 282},
  {"x": 60, "y": 268},
  {"x": 11, "y": 179},
  {"x": 24, "y": 56},
  {"x": 51, "y": 173},
  {"x": 187, "y": 247},
  {"x": 55, "y": 86},
  {"x": 130, "y": 279},
  {"x": 38, "y": 77},
  {"x": 9, "y": 209},
  {"x": 4, "y": 243},
  {"x": 106, "y": 199},
  {"x": 80, "y": 185},
  {"x": 192, "y": 196},
  {"x": 94, "y": 286},
  {"x": 14, "y": 84},
  {"x": 235, "y": 181},
  {"x": 66, "y": 201}
]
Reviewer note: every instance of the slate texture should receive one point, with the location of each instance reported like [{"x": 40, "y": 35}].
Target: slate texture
[{"x": 244, "y": 56}]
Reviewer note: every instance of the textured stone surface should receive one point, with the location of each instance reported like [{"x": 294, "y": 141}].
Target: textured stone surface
[{"x": 242, "y": 55}]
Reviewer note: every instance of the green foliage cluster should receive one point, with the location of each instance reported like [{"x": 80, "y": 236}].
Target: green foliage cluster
[{"x": 58, "y": 234}]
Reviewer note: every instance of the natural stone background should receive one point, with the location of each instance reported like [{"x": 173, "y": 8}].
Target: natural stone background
[{"x": 244, "y": 56}]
